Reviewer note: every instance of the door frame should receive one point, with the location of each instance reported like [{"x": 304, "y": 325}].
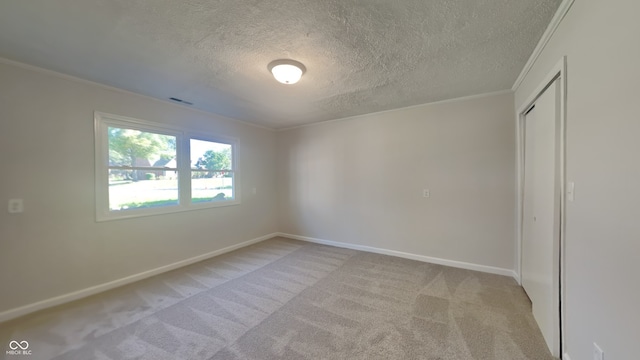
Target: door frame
[{"x": 559, "y": 72}]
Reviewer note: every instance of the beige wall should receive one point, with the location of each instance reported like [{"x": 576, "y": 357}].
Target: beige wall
[
  {"x": 56, "y": 247},
  {"x": 357, "y": 180},
  {"x": 360, "y": 180},
  {"x": 601, "y": 40}
]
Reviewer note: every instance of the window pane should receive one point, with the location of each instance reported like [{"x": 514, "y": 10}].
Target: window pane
[
  {"x": 137, "y": 189},
  {"x": 128, "y": 147},
  {"x": 210, "y": 155},
  {"x": 211, "y": 186},
  {"x": 152, "y": 189}
]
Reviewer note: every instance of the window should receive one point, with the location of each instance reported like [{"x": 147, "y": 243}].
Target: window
[
  {"x": 144, "y": 169},
  {"x": 211, "y": 171}
]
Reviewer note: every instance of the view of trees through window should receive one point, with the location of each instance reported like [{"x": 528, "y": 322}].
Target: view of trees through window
[
  {"x": 143, "y": 170},
  {"x": 211, "y": 171}
]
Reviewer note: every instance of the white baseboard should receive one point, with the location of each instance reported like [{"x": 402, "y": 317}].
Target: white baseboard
[
  {"x": 565, "y": 356},
  {"x": 516, "y": 276},
  {"x": 58, "y": 300},
  {"x": 76, "y": 295},
  {"x": 428, "y": 259}
]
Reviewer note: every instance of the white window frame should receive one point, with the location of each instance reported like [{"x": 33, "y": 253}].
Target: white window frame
[{"x": 102, "y": 121}]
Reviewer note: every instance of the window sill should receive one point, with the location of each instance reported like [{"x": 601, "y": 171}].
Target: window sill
[{"x": 131, "y": 214}]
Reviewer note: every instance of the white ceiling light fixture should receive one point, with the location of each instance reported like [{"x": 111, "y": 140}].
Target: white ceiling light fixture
[{"x": 287, "y": 71}]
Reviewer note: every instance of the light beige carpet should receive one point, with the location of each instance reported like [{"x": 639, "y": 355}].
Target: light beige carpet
[{"x": 285, "y": 299}]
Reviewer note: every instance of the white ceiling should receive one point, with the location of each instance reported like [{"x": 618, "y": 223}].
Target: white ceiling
[{"x": 361, "y": 56}]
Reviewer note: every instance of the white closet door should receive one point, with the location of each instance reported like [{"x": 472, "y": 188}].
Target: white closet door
[{"x": 541, "y": 214}]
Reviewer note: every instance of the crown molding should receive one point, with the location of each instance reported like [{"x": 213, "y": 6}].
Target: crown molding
[{"x": 563, "y": 9}]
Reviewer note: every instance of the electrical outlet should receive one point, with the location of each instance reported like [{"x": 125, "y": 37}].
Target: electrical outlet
[
  {"x": 16, "y": 206},
  {"x": 598, "y": 354},
  {"x": 426, "y": 193}
]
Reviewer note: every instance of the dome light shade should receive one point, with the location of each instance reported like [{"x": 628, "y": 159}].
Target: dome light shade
[{"x": 287, "y": 71}]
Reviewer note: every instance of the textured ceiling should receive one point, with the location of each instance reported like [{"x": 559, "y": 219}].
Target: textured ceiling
[{"x": 361, "y": 56}]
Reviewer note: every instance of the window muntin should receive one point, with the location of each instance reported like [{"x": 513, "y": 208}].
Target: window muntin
[{"x": 143, "y": 168}]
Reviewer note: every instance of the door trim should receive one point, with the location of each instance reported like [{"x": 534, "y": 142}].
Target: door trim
[{"x": 559, "y": 71}]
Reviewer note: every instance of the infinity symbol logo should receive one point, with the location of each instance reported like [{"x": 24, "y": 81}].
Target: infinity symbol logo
[{"x": 14, "y": 345}]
